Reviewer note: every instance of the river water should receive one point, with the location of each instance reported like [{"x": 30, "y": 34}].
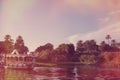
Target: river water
[{"x": 62, "y": 73}]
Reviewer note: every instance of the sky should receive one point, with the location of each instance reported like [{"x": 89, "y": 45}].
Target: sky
[{"x": 59, "y": 21}]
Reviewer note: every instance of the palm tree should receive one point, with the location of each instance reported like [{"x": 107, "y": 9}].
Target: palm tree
[{"x": 108, "y": 37}]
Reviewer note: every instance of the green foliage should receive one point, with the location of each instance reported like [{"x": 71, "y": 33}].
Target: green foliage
[
  {"x": 45, "y": 52},
  {"x": 110, "y": 59},
  {"x": 88, "y": 52},
  {"x": 88, "y": 47},
  {"x": 8, "y": 44},
  {"x": 66, "y": 51},
  {"x": 87, "y": 59},
  {"x": 20, "y": 47},
  {"x": 44, "y": 47}
]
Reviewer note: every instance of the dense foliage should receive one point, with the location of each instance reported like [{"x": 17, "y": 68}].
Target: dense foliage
[
  {"x": 8, "y": 45},
  {"x": 85, "y": 52}
]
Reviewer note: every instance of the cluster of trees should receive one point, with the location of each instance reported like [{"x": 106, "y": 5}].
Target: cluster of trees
[
  {"x": 84, "y": 52},
  {"x": 8, "y": 45},
  {"x": 64, "y": 52}
]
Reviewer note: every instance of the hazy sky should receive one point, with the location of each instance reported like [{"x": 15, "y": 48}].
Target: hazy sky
[{"x": 59, "y": 21}]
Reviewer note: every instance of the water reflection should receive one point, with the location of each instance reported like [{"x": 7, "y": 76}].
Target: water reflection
[{"x": 62, "y": 73}]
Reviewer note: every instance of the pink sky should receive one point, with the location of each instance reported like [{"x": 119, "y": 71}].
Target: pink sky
[{"x": 59, "y": 21}]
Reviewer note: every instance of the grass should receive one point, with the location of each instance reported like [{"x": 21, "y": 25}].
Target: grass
[{"x": 59, "y": 63}]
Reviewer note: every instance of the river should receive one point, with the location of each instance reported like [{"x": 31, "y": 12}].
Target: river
[{"x": 62, "y": 73}]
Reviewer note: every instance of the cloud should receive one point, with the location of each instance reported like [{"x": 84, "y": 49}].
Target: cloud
[
  {"x": 114, "y": 12},
  {"x": 99, "y": 35},
  {"x": 104, "y": 20},
  {"x": 111, "y": 17}
]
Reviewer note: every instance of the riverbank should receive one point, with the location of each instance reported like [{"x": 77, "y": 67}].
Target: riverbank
[{"x": 60, "y": 64}]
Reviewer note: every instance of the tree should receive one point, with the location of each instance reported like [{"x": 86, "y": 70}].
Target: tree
[
  {"x": 45, "y": 52},
  {"x": 87, "y": 47},
  {"x": 114, "y": 45},
  {"x": 44, "y": 47},
  {"x": 79, "y": 47},
  {"x": 1, "y": 47},
  {"x": 88, "y": 51},
  {"x": 64, "y": 52},
  {"x": 45, "y": 55},
  {"x": 104, "y": 47},
  {"x": 19, "y": 45},
  {"x": 90, "y": 47},
  {"x": 108, "y": 37},
  {"x": 94, "y": 48},
  {"x": 8, "y": 44},
  {"x": 7, "y": 37},
  {"x": 60, "y": 53},
  {"x": 71, "y": 52}
]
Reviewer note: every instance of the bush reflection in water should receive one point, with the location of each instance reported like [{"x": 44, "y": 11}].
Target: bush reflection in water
[{"x": 62, "y": 73}]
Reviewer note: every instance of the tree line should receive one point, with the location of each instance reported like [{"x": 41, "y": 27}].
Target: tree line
[{"x": 85, "y": 51}]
